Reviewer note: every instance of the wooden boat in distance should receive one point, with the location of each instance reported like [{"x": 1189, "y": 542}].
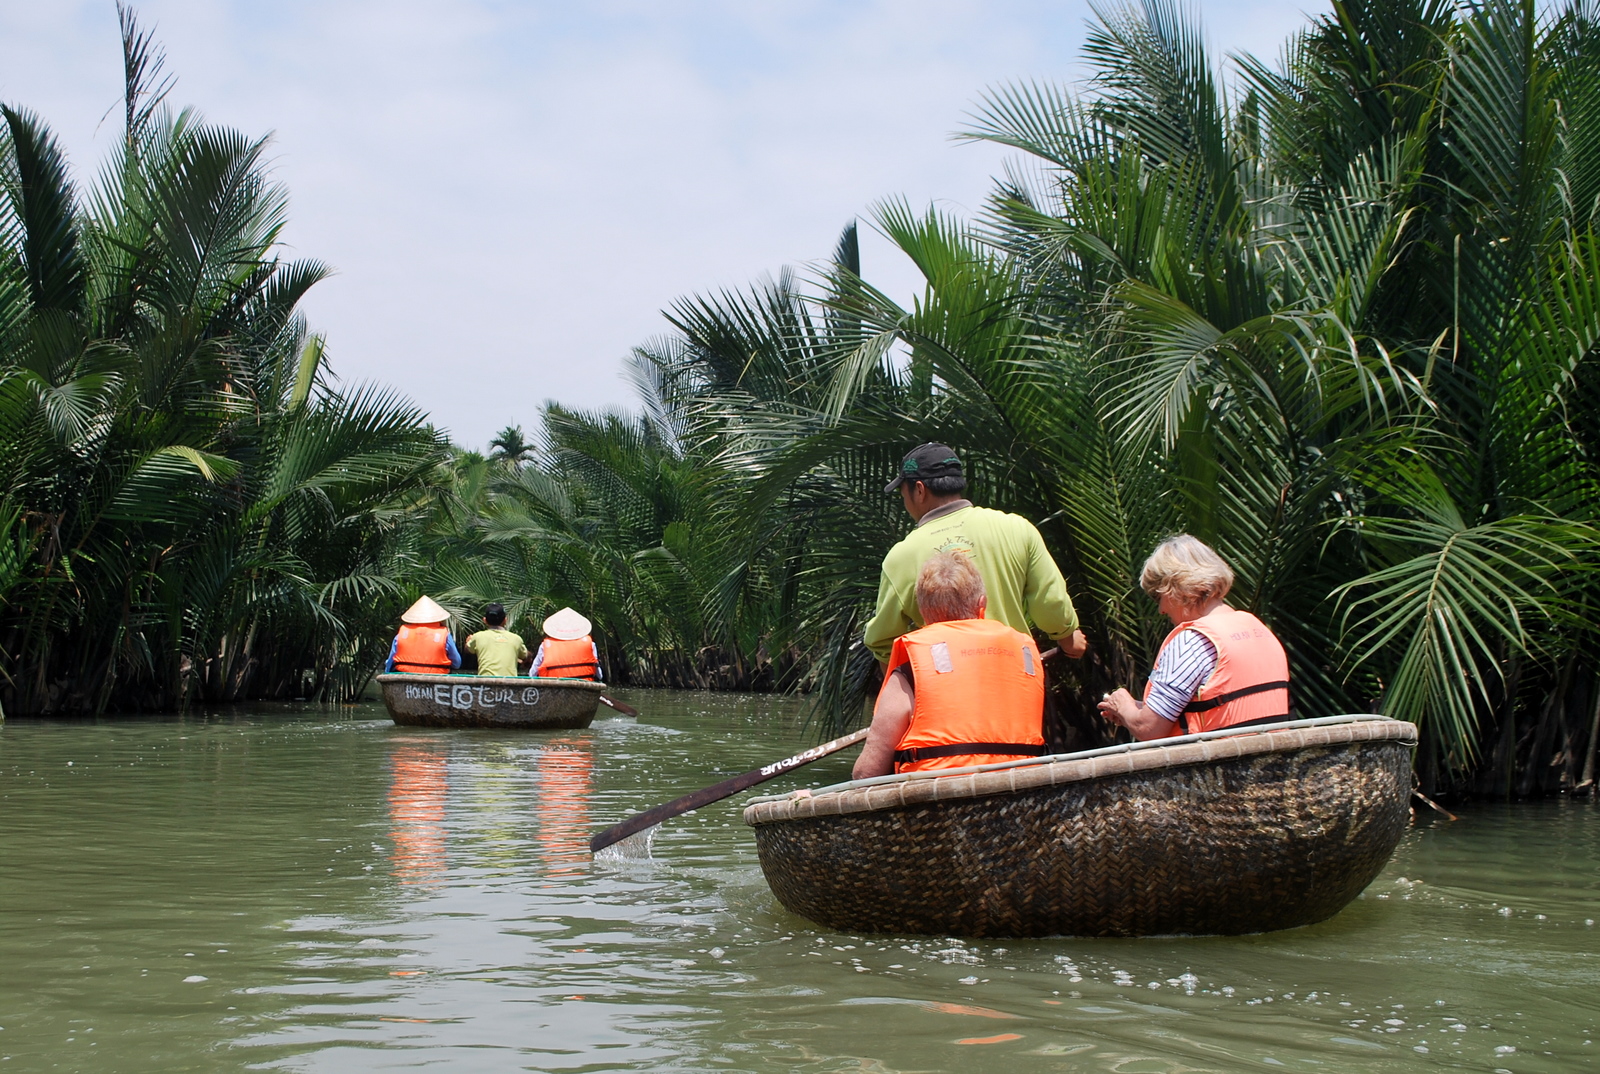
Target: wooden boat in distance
[
  {"x": 1218, "y": 833},
  {"x": 489, "y": 701}
]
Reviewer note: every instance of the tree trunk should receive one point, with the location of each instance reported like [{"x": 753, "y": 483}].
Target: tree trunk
[
  {"x": 1550, "y": 719},
  {"x": 1587, "y": 782}
]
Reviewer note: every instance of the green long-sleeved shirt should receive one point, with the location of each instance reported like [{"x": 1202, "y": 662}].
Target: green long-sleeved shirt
[{"x": 1022, "y": 581}]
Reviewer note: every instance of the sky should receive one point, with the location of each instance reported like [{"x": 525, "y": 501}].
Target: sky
[{"x": 511, "y": 191}]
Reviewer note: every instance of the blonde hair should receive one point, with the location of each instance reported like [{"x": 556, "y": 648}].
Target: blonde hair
[
  {"x": 949, "y": 587},
  {"x": 1187, "y": 567}
]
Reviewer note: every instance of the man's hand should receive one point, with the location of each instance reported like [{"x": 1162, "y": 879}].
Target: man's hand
[
  {"x": 1074, "y": 645},
  {"x": 891, "y": 716}
]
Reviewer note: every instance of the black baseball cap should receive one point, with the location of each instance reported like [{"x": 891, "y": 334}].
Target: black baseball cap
[{"x": 922, "y": 463}]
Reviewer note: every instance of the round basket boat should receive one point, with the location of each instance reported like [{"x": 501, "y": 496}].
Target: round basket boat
[
  {"x": 1217, "y": 833},
  {"x": 489, "y": 701}
]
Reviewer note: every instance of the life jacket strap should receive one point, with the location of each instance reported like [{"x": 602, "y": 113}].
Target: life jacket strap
[
  {"x": 1184, "y": 720},
  {"x": 1233, "y": 695},
  {"x": 590, "y": 670},
  {"x": 959, "y": 749},
  {"x": 407, "y": 666}
]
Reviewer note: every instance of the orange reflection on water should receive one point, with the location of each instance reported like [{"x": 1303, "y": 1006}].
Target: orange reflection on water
[
  {"x": 565, "y": 770},
  {"x": 418, "y": 788}
]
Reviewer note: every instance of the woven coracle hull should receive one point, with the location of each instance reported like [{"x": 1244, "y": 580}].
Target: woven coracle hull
[
  {"x": 1236, "y": 834},
  {"x": 486, "y": 701}
]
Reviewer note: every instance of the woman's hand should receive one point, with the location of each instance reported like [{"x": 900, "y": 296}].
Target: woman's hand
[{"x": 1119, "y": 707}]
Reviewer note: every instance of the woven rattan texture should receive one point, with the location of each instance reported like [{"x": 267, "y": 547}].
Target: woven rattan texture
[
  {"x": 1266, "y": 839},
  {"x": 930, "y": 787}
]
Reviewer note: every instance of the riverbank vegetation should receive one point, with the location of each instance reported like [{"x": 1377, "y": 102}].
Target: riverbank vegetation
[
  {"x": 1335, "y": 314},
  {"x": 191, "y": 507}
]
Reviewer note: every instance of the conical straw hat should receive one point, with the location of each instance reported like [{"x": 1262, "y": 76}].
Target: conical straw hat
[
  {"x": 566, "y": 625},
  {"x": 425, "y": 610}
]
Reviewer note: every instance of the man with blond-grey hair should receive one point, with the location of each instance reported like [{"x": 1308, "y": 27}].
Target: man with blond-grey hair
[{"x": 963, "y": 690}]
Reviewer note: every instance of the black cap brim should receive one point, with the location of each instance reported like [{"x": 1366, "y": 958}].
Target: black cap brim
[{"x": 924, "y": 463}]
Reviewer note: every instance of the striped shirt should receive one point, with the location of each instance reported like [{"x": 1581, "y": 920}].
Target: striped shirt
[{"x": 1181, "y": 669}]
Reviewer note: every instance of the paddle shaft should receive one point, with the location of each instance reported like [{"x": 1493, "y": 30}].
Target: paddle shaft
[
  {"x": 625, "y": 709},
  {"x": 726, "y": 789}
]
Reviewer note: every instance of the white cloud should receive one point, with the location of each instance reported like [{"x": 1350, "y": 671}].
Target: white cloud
[{"x": 511, "y": 192}]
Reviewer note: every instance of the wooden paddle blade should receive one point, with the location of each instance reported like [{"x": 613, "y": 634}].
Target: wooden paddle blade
[
  {"x": 726, "y": 789},
  {"x": 625, "y": 709}
]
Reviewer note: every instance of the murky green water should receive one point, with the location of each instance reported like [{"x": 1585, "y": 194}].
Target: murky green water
[{"x": 292, "y": 889}]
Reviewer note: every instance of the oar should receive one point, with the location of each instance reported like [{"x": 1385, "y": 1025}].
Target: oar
[
  {"x": 727, "y": 788},
  {"x": 625, "y": 709}
]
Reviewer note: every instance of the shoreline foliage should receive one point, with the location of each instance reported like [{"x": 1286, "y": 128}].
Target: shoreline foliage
[
  {"x": 1336, "y": 315},
  {"x": 191, "y": 507}
]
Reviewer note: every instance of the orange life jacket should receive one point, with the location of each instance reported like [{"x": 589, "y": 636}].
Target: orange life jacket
[
  {"x": 420, "y": 649},
  {"x": 569, "y": 659},
  {"x": 1251, "y": 680},
  {"x": 978, "y": 695}
]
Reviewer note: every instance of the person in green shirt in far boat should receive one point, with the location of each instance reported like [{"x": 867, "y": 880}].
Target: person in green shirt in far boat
[
  {"x": 499, "y": 650},
  {"x": 1023, "y": 583}
]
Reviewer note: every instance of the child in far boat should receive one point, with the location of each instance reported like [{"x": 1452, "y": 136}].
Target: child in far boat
[
  {"x": 500, "y": 652},
  {"x": 567, "y": 652}
]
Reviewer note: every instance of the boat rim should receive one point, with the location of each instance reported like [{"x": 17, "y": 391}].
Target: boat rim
[
  {"x": 902, "y": 781},
  {"x": 386, "y": 677}
]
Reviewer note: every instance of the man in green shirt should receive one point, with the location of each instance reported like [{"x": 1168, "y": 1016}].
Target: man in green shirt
[
  {"x": 499, "y": 650},
  {"x": 1023, "y": 583}
]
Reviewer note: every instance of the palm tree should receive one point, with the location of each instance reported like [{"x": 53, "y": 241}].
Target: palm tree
[
  {"x": 191, "y": 507},
  {"x": 509, "y": 444},
  {"x": 618, "y": 519},
  {"x": 1336, "y": 317}
]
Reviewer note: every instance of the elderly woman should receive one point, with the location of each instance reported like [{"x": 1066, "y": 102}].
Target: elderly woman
[
  {"x": 963, "y": 690},
  {"x": 1219, "y": 667}
]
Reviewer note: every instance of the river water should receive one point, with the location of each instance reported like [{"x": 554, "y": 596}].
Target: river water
[{"x": 310, "y": 889}]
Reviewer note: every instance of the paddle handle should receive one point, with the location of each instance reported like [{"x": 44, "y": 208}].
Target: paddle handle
[{"x": 726, "y": 789}]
